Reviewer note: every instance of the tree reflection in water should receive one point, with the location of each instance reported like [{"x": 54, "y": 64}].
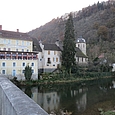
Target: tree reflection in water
[
  {"x": 28, "y": 91},
  {"x": 75, "y": 98}
]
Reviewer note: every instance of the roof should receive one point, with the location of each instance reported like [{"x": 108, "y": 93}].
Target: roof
[
  {"x": 36, "y": 45},
  {"x": 14, "y": 35},
  {"x": 53, "y": 47},
  {"x": 79, "y": 53},
  {"x": 80, "y": 40}
]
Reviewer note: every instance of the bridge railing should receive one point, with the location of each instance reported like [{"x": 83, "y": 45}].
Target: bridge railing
[{"x": 13, "y": 101}]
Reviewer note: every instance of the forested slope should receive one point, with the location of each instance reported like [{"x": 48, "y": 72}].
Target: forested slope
[{"x": 95, "y": 23}]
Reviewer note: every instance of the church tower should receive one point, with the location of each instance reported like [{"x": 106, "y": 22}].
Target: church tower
[{"x": 81, "y": 44}]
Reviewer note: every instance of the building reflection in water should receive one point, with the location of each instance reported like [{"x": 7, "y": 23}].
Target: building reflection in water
[
  {"x": 113, "y": 82},
  {"x": 72, "y": 98},
  {"x": 81, "y": 100},
  {"x": 50, "y": 101},
  {"x": 81, "y": 103}
]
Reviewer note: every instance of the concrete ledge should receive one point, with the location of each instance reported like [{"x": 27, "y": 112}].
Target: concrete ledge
[{"x": 13, "y": 101}]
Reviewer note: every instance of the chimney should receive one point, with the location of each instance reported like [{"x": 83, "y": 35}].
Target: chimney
[
  {"x": 0, "y": 27},
  {"x": 17, "y": 30}
]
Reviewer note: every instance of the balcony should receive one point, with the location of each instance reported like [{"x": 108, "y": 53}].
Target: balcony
[{"x": 18, "y": 55}]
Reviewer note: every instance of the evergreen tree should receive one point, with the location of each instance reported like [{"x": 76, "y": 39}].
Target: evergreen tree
[
  {"x": 28, "y": 73},
  {"x": 68, "y": 53}
]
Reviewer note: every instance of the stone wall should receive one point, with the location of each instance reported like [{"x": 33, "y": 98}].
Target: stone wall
[{"x": 13, "y": 101}]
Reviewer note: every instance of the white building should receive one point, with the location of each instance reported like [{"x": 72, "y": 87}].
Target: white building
[
  {"x": 49, "y": 57},
  {"x": 81, "y": 57}
]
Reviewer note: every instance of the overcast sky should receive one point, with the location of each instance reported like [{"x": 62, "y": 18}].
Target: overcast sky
[{"x": 27, "y": 15}]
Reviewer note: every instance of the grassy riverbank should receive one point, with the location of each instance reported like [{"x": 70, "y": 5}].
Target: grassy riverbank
[{"x": 60, "y": 79}]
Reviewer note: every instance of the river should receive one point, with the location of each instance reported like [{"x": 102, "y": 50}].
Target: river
[{"x": 78, "y": 98}]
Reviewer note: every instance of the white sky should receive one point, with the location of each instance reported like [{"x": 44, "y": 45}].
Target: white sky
[{"x": 27, "y": 15}]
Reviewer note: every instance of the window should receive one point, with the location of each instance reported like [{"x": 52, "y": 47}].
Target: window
[
  {"x": 32, "y": 64},
  {"x": 48, "y": 61},
  {"x": 27, "y": 43},
  {"x": 48, "y": 52},
  {"x": 4, "y": 41},
  {"x": 3, "y": 64},
  {"x": 4, "y": 49},
  {"x": 14, "y": 64},
  {"x": 22, "y": 42},
  {"x": 78, "y": 59},
  {"x": 54, "y": 52},
  {"x": 78, "y": 46},
  {"x": 8, "y": 49},
  {"x": 83, "y": 45},
  {"x": 27, "y": 50},
  {"x": 16, "y": 42},
  {"x": 8, "y": 41},
  {"x": 3, "y": 72},
  {"x": 14, "y": 73},
  {"x": 32, "y": 71},
  {"x": 17, "y": 50},
  {"x": 23, "y": 64},
  {"x": 22, "y": 50},
  {"x": 23, "y": 71},
  {"x": 56, "y": 59},
  {"x": 53, "y": 59}
]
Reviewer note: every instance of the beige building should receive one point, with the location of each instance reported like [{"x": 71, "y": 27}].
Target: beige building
[{"x": 16, "y": 51}]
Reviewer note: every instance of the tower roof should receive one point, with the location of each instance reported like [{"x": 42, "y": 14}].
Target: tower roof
[{"x": 80, "y": 40}]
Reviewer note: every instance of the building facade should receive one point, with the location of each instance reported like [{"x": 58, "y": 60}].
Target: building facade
[
  {"x": 81, "y": 56},
  {"x": 16, "y": 51},
  {"x": 49, "y": 58}
]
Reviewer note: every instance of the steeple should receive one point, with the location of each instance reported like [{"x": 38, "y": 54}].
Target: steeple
[{"x": 81, "y": 44}]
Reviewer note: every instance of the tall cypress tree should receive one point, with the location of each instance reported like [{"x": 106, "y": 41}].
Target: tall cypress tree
[
  {"x": 28, "y": 72},
  {"x": 68, "y": 53}
]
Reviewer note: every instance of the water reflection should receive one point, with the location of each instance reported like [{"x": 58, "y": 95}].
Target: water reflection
[
  {"x": 113, "y": 82},
  {"x": 81, "y": 103},
  {"x": 49, "y": 101},
  {"x": 75, "y": 98}
]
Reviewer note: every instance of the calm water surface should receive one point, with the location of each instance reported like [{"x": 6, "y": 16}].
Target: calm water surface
[{"x": 80, "y": 99}]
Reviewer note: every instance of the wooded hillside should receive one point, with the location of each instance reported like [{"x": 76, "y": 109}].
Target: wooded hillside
[{"x": 96, "y": 24}]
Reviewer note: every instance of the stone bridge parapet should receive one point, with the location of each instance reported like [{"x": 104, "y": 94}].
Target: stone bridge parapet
[{"x": 13, "y": 101}]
